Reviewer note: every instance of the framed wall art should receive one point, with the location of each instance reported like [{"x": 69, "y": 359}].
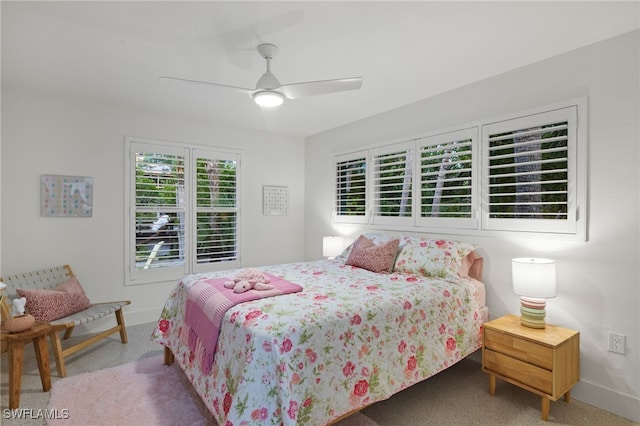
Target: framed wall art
[
  {"x": 275, "y": 200},
  {"x": 62, "y": 196}
]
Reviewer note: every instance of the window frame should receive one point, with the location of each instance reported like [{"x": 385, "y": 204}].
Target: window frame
[
  {"x": 443, "y": 138},
  {"x": 135, "y": 276},
  {"x": 568, "y": 226},
  {"x": 376, "y": 154},
  {"x": 478, "y": 225},
  {"x": 196, "y": 266}
]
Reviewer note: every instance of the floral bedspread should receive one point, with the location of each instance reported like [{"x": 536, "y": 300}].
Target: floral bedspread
[{"x": 350, "y": 338}]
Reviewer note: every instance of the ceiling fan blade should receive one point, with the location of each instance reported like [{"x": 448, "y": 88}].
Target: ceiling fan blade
[
  {"x": 313, "y": 88},
  {"x": 206, "y": 83}
]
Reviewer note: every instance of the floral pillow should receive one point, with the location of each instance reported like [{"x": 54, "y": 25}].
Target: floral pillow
[
  {"x": 48, "y": 305},
  {"x": 378, "y": 258},
  {"x": 432, "y": 258}
]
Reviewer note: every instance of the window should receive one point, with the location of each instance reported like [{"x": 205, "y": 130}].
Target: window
[
  {"x": 447, "y": 185},
  {"x": 392, "y": 182},
  {"x": 350, "y": 202},
  {"x": 531, "y": 173},
  {"x": 183, "y": 208},
  {"x": 520, "y": 173},
  {"x": 216, "y": 207}
]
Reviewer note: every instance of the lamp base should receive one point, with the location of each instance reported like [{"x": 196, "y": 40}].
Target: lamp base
[{"x": 532, "y": 312}]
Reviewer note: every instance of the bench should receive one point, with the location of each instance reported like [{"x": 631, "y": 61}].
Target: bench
[{"x": 51, "y": 278}]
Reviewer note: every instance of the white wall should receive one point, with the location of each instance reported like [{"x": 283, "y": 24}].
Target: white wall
[
  {"x": 51, "y": 134},
  {"x": 598, "y": 281}
]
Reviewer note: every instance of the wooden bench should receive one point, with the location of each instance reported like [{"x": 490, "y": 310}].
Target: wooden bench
[{"x": 51, "y": 278}]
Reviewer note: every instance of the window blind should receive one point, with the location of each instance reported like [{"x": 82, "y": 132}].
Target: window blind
[
  {"x": 183, "y": 209},
  {"x": 531, "y": 170},
  {"x": 216, "y": 208},
  {"x": 350, "y": 203},
  {"x": 528, "y": 173},
  {"x": 446, "y": 177},
  {"x": 392, "y": 182},
  {"x": 159, "y": 209},
  {"x": 522, "y": 172}
]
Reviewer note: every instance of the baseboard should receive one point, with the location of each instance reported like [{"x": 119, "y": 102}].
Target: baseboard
[
  {"x": 607, "y": 399},
  {"x": 143, "y": 316}
]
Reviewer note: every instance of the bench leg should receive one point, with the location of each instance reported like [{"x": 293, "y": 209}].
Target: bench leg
[
  {"x": 67, "y": 333},
  {"x": 123, "y": 330},
  {"x": 56, "y": 347}
]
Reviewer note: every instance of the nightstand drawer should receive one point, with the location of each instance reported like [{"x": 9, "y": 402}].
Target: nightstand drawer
[
  {"x": 518, "y": 348},
  {"x": 517, "y": 370}
]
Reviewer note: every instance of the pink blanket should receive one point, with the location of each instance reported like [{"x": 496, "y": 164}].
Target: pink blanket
[{"x": 208, "y": 301}]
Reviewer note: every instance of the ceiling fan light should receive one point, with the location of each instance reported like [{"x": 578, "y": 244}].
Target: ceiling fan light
[{"x": 268, "y": 98}]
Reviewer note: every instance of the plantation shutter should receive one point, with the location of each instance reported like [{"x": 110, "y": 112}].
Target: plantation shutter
[
  {"x": 447, "y": 175},
  {"x": 350, "y": 201},
  {"x": 183, "y": 210},
  {"x": 531, "y": 165},
  {"x": 159, "y": 209},
  {"x": 216, "y": 207},
  {"x": 393, "y": 184}
]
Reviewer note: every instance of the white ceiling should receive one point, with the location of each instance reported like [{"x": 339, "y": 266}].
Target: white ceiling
[{"x": 405, "y": 51}]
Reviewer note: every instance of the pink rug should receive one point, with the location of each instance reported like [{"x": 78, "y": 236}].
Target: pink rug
[{"x": 143, "y": 392}]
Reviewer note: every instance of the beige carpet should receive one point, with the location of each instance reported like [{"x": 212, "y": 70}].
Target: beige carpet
[{"x": 143, "y": 392}]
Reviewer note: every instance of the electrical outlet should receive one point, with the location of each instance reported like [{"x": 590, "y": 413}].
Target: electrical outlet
[{"x": 617, "y": 342}]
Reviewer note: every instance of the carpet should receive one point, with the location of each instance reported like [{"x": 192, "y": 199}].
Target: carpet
[{"x": 144, "y": 392}]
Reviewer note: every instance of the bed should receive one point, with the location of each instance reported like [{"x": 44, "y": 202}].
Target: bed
[{"x": 350, "y": 338}]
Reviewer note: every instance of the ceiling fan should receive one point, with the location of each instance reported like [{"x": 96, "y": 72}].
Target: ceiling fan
[{"x": 269, "y": 92}]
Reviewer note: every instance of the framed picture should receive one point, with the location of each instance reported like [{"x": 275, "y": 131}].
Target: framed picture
[
  {"x": 66, "y": 196},
  {"x": 275, "y": 200}
]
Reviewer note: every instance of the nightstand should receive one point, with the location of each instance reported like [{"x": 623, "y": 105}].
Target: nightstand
[{"x": 543, "y": 361}]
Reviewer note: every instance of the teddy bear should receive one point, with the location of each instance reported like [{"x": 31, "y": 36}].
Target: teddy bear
[{"x": 248, "y": 279}]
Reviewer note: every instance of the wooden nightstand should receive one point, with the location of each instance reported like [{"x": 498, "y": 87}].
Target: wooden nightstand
[{"x": 543, "y": 361}]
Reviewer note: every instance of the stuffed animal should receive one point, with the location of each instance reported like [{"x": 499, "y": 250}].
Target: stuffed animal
[
  {"x": 18, "y": 306},
  {"x": 248, "y": 279}
]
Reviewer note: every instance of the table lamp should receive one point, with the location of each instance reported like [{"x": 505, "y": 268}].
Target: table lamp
[
  {"x": 534, "y": 280},
  {"x": 332, "y": 246}
]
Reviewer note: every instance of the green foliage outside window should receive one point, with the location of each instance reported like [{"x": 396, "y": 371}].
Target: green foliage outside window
[
  {"x": 446, "y": 180},
  {"x": 351, "y": 187},
  {"x": 528, "y": 173}
]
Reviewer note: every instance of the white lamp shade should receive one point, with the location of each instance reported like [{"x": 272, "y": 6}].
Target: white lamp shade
[
  {"x": 268, "y": 98},
  {"x": 332, "y": 246},
  {"x": 534, "y": 277}
]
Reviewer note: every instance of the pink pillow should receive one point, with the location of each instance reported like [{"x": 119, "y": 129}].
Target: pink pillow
[
  {"x": 72, "y": 286},
  {"x": 376, "y": 258},
  {"x": 48, "y": 305}
]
